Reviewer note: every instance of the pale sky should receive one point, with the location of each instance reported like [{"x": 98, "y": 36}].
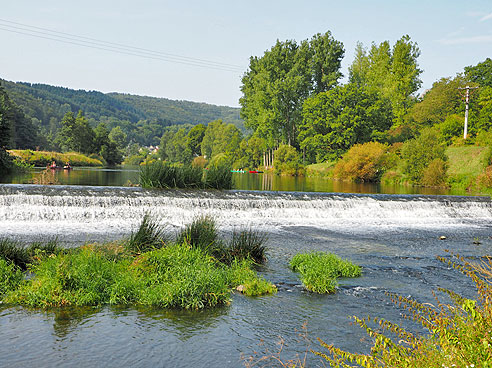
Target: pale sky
[{"x": 220, "y": 36}]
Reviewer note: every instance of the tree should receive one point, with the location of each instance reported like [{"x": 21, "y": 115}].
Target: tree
[
  {"x": 480, "y": 73},
  {"x": 76, "y": 134},
  {"x": 390, "y": 71},
  {"x": 119, "y": 137},
  {"x": 336, "y": 120},
  {"x": 441, "y": 100},
  {"x": 275, "y": 86},
  {"x": 195, "y": 138},
  {"x": 419, "y": 152},
  {"x": 220, "y": 138}
]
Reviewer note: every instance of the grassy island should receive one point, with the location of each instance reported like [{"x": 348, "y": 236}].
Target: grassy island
[
  {"x": 319, "y": 271},
  {"x": 146, "y": 269}
]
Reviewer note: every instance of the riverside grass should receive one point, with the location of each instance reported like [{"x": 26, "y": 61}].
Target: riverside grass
[
  {"x": 319, "y": 271},
  {"x": 164, "y": 175},
  {"x": 146, "y": 269},
  {"x": 177, "y": 276}
]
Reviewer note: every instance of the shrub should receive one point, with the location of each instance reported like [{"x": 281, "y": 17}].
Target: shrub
[
  {"x": 44, "y": 158},
  {"x": 435, "y": 173},
  {"x": 459, "y": 333},
  {"x": 319, "y": 271},
  {"x": 286, "y": 161},
  {"x": 418, "y": 153},
  {"x": 200, "y": 162},
  {"x": 363, "y": 162},
  {"x": 149, "y": 236}
]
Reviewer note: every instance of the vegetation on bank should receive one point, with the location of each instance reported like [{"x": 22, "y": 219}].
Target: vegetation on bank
[
  {"x": 164, "y": 175},
  {"x": 320, "y": 271},
  {"x": 148, "y": 268},
  {"x": 459, "y": 333},
  {"x": 45, "y": 158}
]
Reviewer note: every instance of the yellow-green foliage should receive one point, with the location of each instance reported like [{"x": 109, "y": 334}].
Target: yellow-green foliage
[
  {"x": 435, "y": 173},
  {"x": 364, "y": 162},
  {"x": 44, "y": 158},
  {"x": 176, "y": 276},
  {"x": 460, "y": 334},
  {"x": 319, "y": 271},
  {"x": 286, "y": 161},
  {"x": 10, "y": 276}
]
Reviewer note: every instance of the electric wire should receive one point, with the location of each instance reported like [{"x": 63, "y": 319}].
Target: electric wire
[{"x": 68, "y": 38}]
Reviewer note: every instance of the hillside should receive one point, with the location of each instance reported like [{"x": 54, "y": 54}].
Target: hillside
[{"x": 46, "y": 105}]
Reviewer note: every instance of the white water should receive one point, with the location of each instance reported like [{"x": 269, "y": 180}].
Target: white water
[{"x": 83, "y": 213}]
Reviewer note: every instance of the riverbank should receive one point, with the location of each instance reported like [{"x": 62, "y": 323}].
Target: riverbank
[{"x": 45, "y": 158}]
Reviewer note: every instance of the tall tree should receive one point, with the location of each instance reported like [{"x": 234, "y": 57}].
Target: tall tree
[
  {"x": 392, "y": 72},
  {"x": 275, "y": 86},
  {"x": 337, "y": 119}
]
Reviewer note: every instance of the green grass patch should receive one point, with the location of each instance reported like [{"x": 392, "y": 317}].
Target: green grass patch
[
  {"x": 44, "y": 158},
  {"x": 22, "y": 256},
  {"x": 177, "y": 276},
  {"x": 319, "y": 271},
  {"x": 324, "y": 169},
  {"x": 467, "y": 160},
  {"x": 10, "y": 276}
]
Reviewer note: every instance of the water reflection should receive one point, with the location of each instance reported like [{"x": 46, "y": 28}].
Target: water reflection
[{"x": 128, "y": 175}]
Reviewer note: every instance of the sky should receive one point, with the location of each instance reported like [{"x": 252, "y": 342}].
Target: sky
[{"x": 199, "y": 50}]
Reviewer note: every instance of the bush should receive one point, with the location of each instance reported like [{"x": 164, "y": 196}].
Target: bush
[
  {"x": 364, "y": 162},
  {"x": 418, "y": 153},
  {"x": 435, "y": 174},
  {"x": 286, "y": 161},
  {"x": 44, "y": 158},
  {"x": 319, "y": 271}
]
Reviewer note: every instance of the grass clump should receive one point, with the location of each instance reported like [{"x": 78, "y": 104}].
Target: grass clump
[
  {"x": 21, "y": 256},
  {"x": 459, "y": 333},
  {"x": 160, "y": 174},
  {"x": 10, "y": 276},
  {"x": 247, "y": 244},
  {"x": 319, "y": 271},
  {"x": 200, "y": 233},
  {"x": 149, "y": 236},
  {"x": 218, "y": 176}
]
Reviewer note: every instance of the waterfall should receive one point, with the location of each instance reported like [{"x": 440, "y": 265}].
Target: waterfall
[{"x": 80, "y": 213}]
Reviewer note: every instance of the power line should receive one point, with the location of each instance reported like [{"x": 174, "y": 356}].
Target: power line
[{"x": 68, "y": 38}]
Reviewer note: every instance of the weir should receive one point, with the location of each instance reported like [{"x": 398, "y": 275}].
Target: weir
[{"x": 83, "y": 213}]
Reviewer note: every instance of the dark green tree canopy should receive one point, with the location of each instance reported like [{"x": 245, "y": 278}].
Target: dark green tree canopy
[{"x": 337, "y": 119}]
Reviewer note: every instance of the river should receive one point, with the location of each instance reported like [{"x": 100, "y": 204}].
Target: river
[{"x": 395, "y": 238}]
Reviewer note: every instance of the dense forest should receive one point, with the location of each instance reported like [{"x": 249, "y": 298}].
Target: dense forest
[
  {"x": 143, "y": 119},
  {"x": 374, "y": 127}
]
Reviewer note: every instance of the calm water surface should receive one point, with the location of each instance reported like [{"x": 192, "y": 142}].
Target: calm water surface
[{"x": 395, "y": 238}]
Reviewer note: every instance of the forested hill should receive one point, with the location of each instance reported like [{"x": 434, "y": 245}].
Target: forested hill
[{"x": 47, "y": 104}]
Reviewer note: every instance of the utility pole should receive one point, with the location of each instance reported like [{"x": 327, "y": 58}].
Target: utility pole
[{"x": 467, "y": 100}]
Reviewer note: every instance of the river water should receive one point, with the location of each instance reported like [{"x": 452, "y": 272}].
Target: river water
[{"x": 395, "y": 238}]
